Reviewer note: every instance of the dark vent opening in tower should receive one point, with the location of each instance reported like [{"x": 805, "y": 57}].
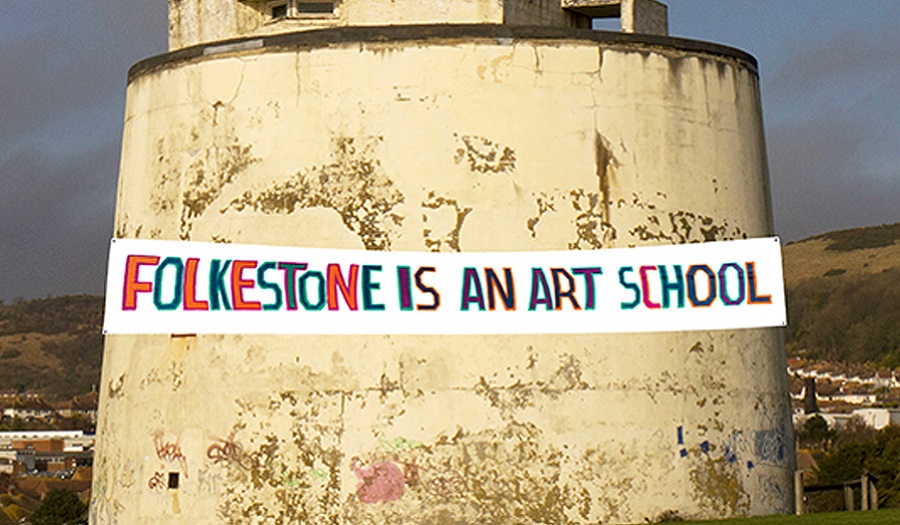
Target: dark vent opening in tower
[{"x": 315, "y": 7}]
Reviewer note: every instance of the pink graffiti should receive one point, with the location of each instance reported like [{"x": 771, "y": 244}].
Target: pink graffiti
[
  {"x": 228, "y": 451},
  {"x": 380, "y": 482},
  {"x": 157, "y": 481},
  {"x": 169, "y": 451}
]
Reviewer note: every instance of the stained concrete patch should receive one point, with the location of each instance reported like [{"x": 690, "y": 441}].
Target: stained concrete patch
[
  {"x": 484, "y": 156},
  {"x": 194, "y": 163},
  {"x": 443, "y": 218},
  {"x": 353, "y": 185}
]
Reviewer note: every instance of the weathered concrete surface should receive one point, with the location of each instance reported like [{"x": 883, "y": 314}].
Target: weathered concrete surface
[{"x": 444, "y": 145}]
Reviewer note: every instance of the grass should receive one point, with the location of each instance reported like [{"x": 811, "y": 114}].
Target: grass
[
  {"x": 879, "y": 517},
  {"x": 812, "y": 259}
]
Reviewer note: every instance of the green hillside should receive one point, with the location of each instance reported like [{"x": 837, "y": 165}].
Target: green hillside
[
  {"x": 843, "y": 293},
  {"x": 53, "y": 345}
]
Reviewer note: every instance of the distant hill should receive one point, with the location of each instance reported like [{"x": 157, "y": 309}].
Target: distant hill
[
  {"x": 843, "y": 292},
  {"x": 53, "y": 345}
]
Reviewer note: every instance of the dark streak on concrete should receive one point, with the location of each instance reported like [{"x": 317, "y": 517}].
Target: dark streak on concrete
[
  {"x": 593, "y": 226},
  {"x": 605, "y": 164}
]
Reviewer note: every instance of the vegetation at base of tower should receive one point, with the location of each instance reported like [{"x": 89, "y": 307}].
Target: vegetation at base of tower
[
  {"x": 814, "y": 433},
  {"x": 59, "y": 507},
  {"x": 844, "y": 454},
  {"x": 880, "y": 517},
  {"x": 859, "y": 450}
]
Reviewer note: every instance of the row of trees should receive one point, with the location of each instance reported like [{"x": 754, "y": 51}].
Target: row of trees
[{"x": 847, "y": 318}]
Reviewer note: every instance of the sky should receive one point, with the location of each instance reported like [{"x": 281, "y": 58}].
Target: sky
[{"x": 829, "y": 77}]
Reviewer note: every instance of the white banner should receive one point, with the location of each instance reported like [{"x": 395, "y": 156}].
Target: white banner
[{"x": 169, "y": 287}]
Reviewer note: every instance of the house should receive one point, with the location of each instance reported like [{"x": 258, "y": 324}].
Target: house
[
  {"x": 879, "y": 418},
  {"x": 83, "y": 406},
  {"x": 26, "y": 407},
  {"x": 48, "y": 452}
]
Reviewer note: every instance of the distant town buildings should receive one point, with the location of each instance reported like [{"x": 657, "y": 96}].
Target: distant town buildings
[
  {"x": 843, "y": 391},
  {"x": 32, "y": 407},
  {"x": 54, "y": 453}
]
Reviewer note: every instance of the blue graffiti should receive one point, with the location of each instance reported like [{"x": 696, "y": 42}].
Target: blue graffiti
[{"x": 767, "y": 446}]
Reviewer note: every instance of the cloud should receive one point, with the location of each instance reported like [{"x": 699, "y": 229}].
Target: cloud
[
  {"x": 820, "y": 180},
  {"x": 62, "y": 97},
  {"x": 72, "y": 71},
  {"x": 847, "y": 55},
  {"x": 56, "y": 219},
  {"x": 833, "y": 117}
]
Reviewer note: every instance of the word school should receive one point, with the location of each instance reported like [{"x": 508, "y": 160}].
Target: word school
[{"x": 185, "y": 287}]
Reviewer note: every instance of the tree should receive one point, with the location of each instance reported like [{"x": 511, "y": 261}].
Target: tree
[
  {"x": 855, "y": 430},
  {"x": 59, "y": 507},
  {"x": 815, "y": 432},
  {"x": 880, "y": 457}
]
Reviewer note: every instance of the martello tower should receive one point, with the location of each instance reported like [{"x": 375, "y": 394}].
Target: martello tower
[{"x": 441, "y": 125}]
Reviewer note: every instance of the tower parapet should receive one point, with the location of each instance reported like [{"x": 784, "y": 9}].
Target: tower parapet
[{"x": 193, "y": 22}]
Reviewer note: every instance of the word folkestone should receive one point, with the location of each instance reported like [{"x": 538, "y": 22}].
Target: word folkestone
[{"x": 190, "y": 288}]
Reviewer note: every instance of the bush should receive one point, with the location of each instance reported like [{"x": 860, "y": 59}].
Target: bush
[
  {"x": 879, "y": 457},
  {"x": 59, "y": 507},
  {"x": 847, "y": 319},
  {"x": 862, "y": 238}
]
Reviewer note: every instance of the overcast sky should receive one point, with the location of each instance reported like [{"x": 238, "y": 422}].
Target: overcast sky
[{"x": 830, "y": 77}]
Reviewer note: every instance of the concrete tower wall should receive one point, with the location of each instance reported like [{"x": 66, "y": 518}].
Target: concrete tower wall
[{"x": 470, "y": 139}]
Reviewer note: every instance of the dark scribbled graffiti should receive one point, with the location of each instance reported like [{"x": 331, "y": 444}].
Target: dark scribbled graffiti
[{"x": 170, "y": 451}]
